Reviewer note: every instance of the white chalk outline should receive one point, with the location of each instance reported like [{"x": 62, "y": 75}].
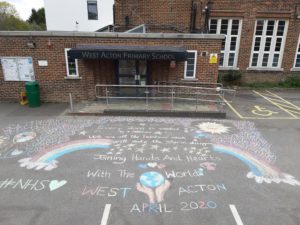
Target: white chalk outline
[
  {"x": 105, "y": 214},
  {"x": 236, "y": 215}
]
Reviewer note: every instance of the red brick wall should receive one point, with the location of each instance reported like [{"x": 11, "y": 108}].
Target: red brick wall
[
  {"x": 249, "y": 12},
  {"x": 54, "y": 88},
  {"x": 158, "y": 15},
  {"x": 175, "y": 16}
]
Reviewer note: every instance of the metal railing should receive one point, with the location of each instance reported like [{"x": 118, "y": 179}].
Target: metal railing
[
  {"x": 191, "y": 84},
  {"x": 163, "y": 97}
]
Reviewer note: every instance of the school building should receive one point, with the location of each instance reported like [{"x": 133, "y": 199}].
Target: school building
[
  {"x": 262, "y": 37},
  {"x": 74, "y": 62},
  {"x": 167, "y": 42}
]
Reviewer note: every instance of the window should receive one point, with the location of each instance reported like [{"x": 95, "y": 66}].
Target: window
[
  {"x": 230, "y": 45},
  {"x": 92, "y": 9},
  {"x": 297, "y": 59},
  {"x": 72, "y": 65},
  {"x": 268, "y": 43},
  {"x": 190, "y": 65},
  {"x": 138, "y": 29}
]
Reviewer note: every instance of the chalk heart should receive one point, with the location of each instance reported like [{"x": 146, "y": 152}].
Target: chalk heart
[
  {"x": 55, "y": 184},
  {"x": 152, "y": 165}
]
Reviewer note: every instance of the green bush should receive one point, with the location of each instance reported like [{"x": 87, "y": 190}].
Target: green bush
[
  {"x": 230, "y": 76},
  {"x": 291, "y": 82}
]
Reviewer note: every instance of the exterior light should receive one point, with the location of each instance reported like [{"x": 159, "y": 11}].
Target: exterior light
[{"x": 31, "y": 45}]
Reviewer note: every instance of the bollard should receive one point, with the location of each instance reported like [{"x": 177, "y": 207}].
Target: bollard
[{"x": 71, "y": 102}]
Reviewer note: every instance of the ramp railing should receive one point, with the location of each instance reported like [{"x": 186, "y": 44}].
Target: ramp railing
[{"x": 163, "y": 97}]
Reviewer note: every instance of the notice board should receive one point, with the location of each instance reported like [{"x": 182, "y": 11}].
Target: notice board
[{"x": 18, "y": 69}]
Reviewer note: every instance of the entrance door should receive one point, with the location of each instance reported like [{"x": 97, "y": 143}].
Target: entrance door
[{"x": 132, "y": 72}]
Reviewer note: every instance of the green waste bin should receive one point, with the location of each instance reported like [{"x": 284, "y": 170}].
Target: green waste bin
[{"x": 33, "y": 93}]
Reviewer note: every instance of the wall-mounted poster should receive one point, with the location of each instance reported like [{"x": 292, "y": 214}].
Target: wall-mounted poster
[
  {"x": 25, "y": 67},
  {"x": 10, "y": 69},
  {"x": 18, "y": 69}
]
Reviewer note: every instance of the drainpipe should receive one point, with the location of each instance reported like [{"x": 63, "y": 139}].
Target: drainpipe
[
  {"x": 193, "y": 17},
  {"x": 114, "y": 18},
  {"x": 207, "y": 15}
]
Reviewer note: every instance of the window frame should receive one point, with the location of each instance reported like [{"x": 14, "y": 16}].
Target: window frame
[
  {"x": 195, "y": 65},
  {"x": 296, "y": 55},
  {"x": 226, "y": 52},
  {"x": 67, "y": 65},
  {"x": 271, "y": 53},
  {"x": 87, "y": 5}
]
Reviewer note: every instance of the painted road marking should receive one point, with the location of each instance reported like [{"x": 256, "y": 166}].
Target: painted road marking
[
  {"x": 236, "y": 215},
  {"x": 274, "y": 100},
  {"x": 287, "y": 104},
  {"x": 261, "y": 111},
  {"x": 105, "y": 214},
  {"x": 232, "y": 108}
]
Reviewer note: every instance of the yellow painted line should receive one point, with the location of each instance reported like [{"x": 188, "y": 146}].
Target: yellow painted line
[
  {"x": 289, "y": 108},
  {"x": 232, "y": 108},
  {"x": 296, "y": 112},
  {"x": 270, "y": 118},
  {"x": 255, "y": 118},
  {"x": 279, "y": 102},
  {"x": 289, "y": 103},
  {"x": 274, "y": 103}
]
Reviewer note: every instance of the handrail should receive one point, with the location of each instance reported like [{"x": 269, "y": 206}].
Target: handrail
[
  {"x": 190, "y": 83},
  {"x": 164, "y": 86},
  {"x": 165, "y": 92}
]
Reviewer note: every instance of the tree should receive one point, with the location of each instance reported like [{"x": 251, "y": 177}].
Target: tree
[
  {"x": 10, "y": 20},
  {"x": 6, "y": 9},
  {"x": 38, "y": 18}
]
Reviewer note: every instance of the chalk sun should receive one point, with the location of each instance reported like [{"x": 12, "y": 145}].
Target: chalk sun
[{"x": 213, "y": 128}]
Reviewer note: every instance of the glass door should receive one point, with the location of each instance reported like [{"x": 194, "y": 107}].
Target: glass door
[
  {"x": 127, "y": 72},
  {"x": 132, "y": 72}
]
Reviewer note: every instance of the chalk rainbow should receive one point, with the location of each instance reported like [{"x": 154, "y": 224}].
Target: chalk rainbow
[
  {"x": 46, "y": 159},
  {"x": 260, "y": 170}
]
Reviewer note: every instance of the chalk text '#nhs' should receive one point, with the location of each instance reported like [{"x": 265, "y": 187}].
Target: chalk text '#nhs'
[{"x": 31, "y": 184}]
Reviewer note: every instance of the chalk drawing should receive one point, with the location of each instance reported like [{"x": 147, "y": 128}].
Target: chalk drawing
[
  {"x": 259, "y": 170},
  {"x": 210, "y": 166},
  {"x": 213, "y": 128},
  {"x": 46, "y": 159},
  {"x": 16, "y": 152},
  {"x": 31, "y": 184},
  {"x": 152, "y": 179},
  {"x": 200, "y": 134},
  {"x": 2, "y": 140},
  {"x": 193, "y": 205},
  {"x": 196, "y": 188},
  {"x": 55, "y": 184},
  {"x": 187, "y": 173},
  {"x": 101, "y": 191},
  {"x": 150, "y": 208},
  {"x": 147, "y": 141},
  {"x": 153, "y": 183},
  {"x": 24, "y": 137}
]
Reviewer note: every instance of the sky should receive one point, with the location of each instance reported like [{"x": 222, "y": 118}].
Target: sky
[{"x": 24, "y": 6}]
